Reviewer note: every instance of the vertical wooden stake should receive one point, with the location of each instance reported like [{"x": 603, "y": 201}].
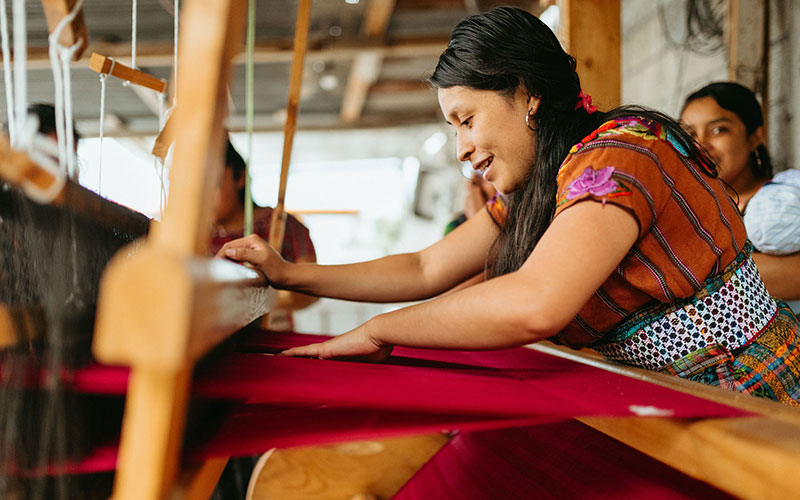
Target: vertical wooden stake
[{"x": 278, "y": 222}]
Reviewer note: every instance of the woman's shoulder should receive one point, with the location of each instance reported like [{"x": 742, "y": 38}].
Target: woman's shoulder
[
  {"x": 789, "y": 177},
  {"x": 636, "y": 129}
]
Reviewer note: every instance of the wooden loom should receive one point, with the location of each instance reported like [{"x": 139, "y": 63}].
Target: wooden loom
[{"x": 161, "y": 331}]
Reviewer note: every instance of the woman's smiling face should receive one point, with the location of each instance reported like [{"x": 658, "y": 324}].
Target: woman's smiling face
[
  {"x": 491, "y": 133},
  {"x": 723, "y": 134}
]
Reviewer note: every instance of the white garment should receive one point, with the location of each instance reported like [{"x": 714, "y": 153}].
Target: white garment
[{"x": 772, "y": 218}]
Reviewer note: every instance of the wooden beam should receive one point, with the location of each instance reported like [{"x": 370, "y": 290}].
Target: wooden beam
[
  {"x": 107, "y": 65},
  {"x": 164, "y": 139},
  {"x": 363, "y": 469},
  {"x": 160, "y": 55},
  {"x": 750, "y": 457},
  {"x": 746, "y": 457},
  {"x": 278, "y": 222},
  {"x": 205, "y": 302},
  {"x": 197, "y": 482},
  {"x": 363, "y": 74},
  {"x": 399, "y": 86},
  {"x": 592, "y": 34},
  {"x": 377, "y": 17},
  {"x": 46, "y": 186},
  {"x": 745, "y": 41},
  {"x": 74, "y": 32},
  {"x": 367, "y": 65},
  {"x": 149, "y": 98},
  {"x": 748, "y": 49},
  {"x": 18, "y": 169}
]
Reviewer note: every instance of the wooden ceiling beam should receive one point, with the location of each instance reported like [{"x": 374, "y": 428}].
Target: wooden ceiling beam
[
  {"x": 398, "y": 86},
  {"x": 160, "y": 55},
  {"x": 367, "y": 65}
]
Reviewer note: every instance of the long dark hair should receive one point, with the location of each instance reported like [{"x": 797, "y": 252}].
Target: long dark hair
[
  {"x": 504, "y": 49},
  {"x": 742, "y": 102}
]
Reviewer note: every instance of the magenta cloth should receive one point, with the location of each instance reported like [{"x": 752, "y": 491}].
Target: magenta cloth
[
  {"x": 552, "y": 461},
  {"x": 281, "y": 401},
  {"x": 516, "y": 382},
  {"x": 253, "y": 429}
]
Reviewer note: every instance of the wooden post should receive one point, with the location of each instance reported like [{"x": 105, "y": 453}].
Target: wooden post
[
  {"x": 278, "y": 222},
  {"x": 748, "y": 48},
  {"x": 749, "y": 457},
  {"x": 592, "y": 34},
  {"x": 162, "y": 308}
]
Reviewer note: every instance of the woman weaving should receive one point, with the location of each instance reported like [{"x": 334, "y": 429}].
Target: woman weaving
[{"x": 653, "y": 271}]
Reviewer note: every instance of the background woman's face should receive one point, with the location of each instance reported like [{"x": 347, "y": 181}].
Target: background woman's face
[
  {"x": 491, "y": 133},
  {"x": 724, "y": 136}
]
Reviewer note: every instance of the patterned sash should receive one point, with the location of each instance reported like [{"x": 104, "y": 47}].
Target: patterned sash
[{"x": 730, "y": 310}]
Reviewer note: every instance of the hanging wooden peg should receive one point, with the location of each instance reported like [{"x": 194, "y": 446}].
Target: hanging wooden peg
[
  {"x": 74, "y": 32},
  {"x": 106, "y": 65}
]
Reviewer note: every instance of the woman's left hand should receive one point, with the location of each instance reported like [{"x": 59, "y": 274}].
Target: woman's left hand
[{"x": 355, "y": 345}]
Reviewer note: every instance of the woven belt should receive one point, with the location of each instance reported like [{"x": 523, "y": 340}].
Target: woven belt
[{"x": 730, "y": 310}]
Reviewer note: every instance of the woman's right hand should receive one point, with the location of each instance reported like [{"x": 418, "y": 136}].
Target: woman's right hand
[{"x": 258, "y": 253}]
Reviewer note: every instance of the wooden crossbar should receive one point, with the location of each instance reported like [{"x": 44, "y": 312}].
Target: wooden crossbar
[
  {"x": 106, "y": 65},
  {"x": 749, "y": 457}
]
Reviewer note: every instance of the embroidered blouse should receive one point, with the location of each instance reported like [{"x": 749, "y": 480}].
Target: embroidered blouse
[{"x": 689, "y": 228}]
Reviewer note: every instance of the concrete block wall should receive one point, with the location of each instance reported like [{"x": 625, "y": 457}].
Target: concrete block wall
[{"x": 658, "y": 73}]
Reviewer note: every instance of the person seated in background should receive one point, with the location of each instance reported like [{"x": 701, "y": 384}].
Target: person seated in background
[
  {"x": 229, "y": 225},
  {"x": 46, "y": 114},
  {"x": 726, "y": 119},
  {"x": 478, "y": 192}
]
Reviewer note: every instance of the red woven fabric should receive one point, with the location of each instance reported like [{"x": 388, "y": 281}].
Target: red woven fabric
[
  {"x": 508, "y": 383},
  {"x": 294, "y": 401},
  {"x": 565, "y": 460}
]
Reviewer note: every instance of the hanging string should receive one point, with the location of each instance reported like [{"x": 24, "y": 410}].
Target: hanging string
[
  {"x": 7, "y": 74},
  {"x": 103, "y": 78},
  {"x": 134, "y": 21},
  {"x": 250, "y": 91},
  {"x": 20, "y": 62},
  {"x": 66, "y": 57},
  {"x": 134, "y": 29},
  {"x": 159, "y": 163},
  {"x": 175, "y": 11},
  {"x": 57, "y": 53}
]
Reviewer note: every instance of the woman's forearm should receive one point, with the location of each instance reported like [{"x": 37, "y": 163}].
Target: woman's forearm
[
  {"x": 495, "y": 314},
  {"x": 403, "y": 277},
  {"x": 396, "y": 278}
]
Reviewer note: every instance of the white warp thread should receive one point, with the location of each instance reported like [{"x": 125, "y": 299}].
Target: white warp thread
[{"x": 7, "y": 73}]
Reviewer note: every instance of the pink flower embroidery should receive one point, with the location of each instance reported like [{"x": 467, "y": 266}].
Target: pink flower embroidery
[{"x": 596, "y": 182}]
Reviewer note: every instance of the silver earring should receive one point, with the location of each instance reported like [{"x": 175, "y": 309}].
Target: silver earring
[
  {"x": 528, "y": 118},
  {"x": 758, "y": 161}
]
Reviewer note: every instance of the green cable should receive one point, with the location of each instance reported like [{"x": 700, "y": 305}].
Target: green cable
[{"x": 250, "y": 98}]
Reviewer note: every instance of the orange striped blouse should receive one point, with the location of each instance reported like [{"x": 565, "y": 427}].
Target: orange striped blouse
[{"x": 689, "y": 228}]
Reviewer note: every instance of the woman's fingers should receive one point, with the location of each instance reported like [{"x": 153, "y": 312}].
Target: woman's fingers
[
  {"x": 351, "y": 346},
  {"x": 245, "y": 254},
  {"x": 250, "y": 249},
  {"x": 307, "y": 351}
]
